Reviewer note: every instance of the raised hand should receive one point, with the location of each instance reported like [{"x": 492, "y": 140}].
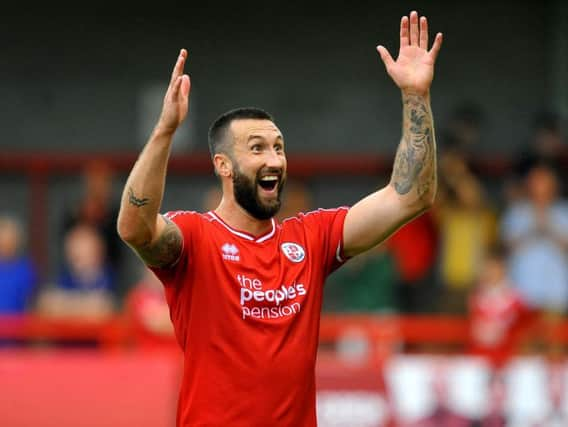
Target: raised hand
[
  {"x": 413, "y": 70},
  {"x": 176, "y": 99}
]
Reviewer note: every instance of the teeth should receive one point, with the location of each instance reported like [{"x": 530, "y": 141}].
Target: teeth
[{"x": 269, "y": 178}]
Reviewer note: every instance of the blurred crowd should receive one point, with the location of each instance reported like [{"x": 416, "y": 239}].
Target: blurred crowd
[{"x": 493, "y": 250}]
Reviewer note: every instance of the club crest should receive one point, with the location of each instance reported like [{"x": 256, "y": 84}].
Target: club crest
[{"x": 293, "y": 252}]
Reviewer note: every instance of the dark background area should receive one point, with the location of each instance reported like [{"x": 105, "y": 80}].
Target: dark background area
[{"x": 75, "y": 82}]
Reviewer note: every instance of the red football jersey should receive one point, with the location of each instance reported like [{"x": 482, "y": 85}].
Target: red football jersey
[{"x": 246, "y": 312}]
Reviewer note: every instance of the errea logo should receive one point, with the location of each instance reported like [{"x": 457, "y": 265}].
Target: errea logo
[
  {"x": 293, "y": 251},
  {"x": 230, "y": 252}
]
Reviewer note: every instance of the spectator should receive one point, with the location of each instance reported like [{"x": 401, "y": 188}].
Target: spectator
[
  {"x": 468, "y": 227},
  {"x": 97, "y": 209},
  {"x": 536, "y": 232},
  {"x": 85, "y": 286},
  {"x": 495, "y": 310},
  {"x": 17, "y": 273}
]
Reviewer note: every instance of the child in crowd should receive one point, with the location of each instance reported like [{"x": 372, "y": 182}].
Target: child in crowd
[{"x": 495, "y": 309}]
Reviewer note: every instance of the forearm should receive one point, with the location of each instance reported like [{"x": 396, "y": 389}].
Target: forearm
[
  {"x": 414, "y": 173},
  {"x": 144, "y": 189}
]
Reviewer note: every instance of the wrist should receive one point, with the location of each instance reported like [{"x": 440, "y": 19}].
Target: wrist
[
  {"x": 406, "y": 93},
  {"x": 162, "y": 131}
]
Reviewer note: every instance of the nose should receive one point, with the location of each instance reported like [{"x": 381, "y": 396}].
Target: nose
[{"x": 275, "y": 159}]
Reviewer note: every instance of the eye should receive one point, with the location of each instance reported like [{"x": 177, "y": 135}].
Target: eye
[
  {"x": 256, "y": 148},
  {"x": 279, "y": 148}
]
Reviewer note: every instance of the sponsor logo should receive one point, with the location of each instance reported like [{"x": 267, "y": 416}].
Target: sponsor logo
[
  {"x": 230, "y": 252},
  {"x": 260, "y": 303},
  {"x": 293, "y": 252}
]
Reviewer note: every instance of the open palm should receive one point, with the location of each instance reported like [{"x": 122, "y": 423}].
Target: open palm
[
  {"x": 176, "y": 100},
  {"x": 413, "y": 70}
]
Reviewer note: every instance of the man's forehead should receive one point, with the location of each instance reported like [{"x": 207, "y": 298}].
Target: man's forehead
[{"x": 245, "y": 128}]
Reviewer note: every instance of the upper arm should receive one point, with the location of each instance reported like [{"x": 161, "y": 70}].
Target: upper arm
[
  {"x": 374, "y": 218},
  {"x": 165, "y": 248}
]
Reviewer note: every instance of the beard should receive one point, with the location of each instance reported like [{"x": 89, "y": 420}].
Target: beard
[{"x": 245, "y": 191}]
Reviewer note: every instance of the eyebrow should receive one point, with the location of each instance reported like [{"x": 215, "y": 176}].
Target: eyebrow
[{"x": 257, "y": 136}]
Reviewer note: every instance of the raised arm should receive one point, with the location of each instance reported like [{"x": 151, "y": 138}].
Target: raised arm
[
  {"x": 412, "y": 187},
  {"x": 157, "y": 240}
]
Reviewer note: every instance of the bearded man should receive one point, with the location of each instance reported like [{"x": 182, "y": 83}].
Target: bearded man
[{"x": 245, "y": 291}]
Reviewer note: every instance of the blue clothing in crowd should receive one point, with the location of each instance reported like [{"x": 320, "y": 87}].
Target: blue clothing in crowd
[
  {"x": 538, "y": 265},
  {"x": 102, "y": 281},
  {"x": 17, "y": 281}
]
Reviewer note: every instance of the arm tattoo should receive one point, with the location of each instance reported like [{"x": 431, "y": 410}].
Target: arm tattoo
[
  {"x": 135, "y": 200},
  {"x": 415, "y": 162},
  {"x": 166, "y": 249}
]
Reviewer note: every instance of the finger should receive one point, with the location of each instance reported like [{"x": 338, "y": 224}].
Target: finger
[
  {"x": 185, "y": 86},
  {"x": 174, "y": 89},
  {"x": 385, "y": 56},
  {"x": 413, "y": 28},
  {"x": 404, "y": 31},
  {"x": 424, "y": 33},
  {"x": 178, "y": 67},
  {"x": 436, "y": 46}
]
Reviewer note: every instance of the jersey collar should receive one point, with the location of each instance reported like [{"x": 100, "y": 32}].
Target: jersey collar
[{"x": 243, "y": 234}]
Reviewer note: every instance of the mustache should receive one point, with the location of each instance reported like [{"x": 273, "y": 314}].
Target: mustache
[{"x": 270, "y": 171}]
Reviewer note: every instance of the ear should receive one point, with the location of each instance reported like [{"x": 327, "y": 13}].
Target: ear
[{"x": 223, "y": 165}]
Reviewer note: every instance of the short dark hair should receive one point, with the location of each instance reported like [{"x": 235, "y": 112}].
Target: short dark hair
[{"x": 218, "y": 130}]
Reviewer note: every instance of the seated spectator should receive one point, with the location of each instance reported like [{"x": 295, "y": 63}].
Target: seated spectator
[
  {"x": 85, "y": 286},
  {"x": 17, "y": 273},
  {"x": 495, "y": 310},
  {"x": 149, "y": 314}
]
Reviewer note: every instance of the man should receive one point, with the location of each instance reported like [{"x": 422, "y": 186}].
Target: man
[{"x": 244, "y": 291}]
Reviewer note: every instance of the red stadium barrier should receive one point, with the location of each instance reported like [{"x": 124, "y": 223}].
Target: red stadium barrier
[
  {"x": 117, "y": 331},
  {"x": 120, "y": 381}
]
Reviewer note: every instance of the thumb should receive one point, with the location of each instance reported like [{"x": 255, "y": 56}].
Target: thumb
[{"x": 385, "y": 56}]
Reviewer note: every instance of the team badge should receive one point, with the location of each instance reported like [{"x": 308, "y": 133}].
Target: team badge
[{"x": 293, "y": 252}]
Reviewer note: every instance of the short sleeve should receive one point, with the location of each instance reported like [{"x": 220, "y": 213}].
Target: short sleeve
[
  {"x": 325, "y": 226},
  {"x": 189, "y": 225}
]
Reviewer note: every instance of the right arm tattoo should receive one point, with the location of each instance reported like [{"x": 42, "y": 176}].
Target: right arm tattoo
[
  {"x": 415, "y": 162},
  {"x": 165, "y": 250},
  {"x": 133, "y": 200}
]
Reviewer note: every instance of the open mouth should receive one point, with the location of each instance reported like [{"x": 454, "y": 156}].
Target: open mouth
[{"x": 269, "y": 182}]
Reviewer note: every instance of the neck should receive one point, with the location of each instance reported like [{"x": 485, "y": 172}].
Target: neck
[{"x": 236, "y": 217}]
